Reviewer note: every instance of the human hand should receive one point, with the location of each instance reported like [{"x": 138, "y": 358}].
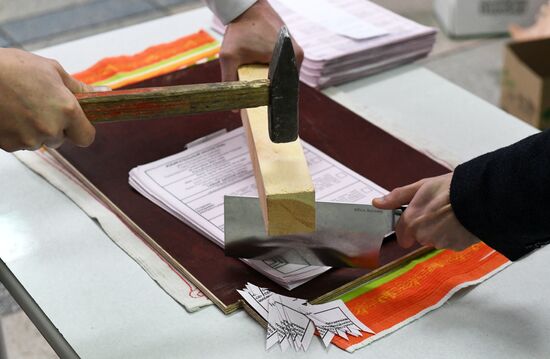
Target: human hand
[
  {"x": 539, "y": 30},
  {"x": 429, "y": 218},
  {"x": 37, "y": 105},
  {"x": 250, "y": 38}
]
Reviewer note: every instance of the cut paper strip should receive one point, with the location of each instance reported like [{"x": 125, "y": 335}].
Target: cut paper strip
[{"x": 292, "y": 322}]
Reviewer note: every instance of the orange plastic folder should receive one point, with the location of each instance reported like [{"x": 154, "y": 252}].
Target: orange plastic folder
[
  {"x": 424, "y": 284},
  {"x": 157, "y": 60}
]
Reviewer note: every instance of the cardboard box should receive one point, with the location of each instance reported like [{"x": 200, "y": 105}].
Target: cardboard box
[
  {"x": 484, "y": 17},
  {"x": 526, "y": 82}
]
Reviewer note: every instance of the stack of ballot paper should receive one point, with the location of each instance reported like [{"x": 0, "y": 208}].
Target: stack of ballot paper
[
  {"x": 347, "y": 39},
  {"x": 191, "y": 185},
  {"x": 291, "y": 322}
]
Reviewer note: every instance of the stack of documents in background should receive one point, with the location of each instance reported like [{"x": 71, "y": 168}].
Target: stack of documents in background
[
  {"x": 347, "y": 39},
  {"x": 191, "y": 185}
]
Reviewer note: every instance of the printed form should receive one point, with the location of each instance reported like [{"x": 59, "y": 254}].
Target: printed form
[{"x": 191, "y": 185}]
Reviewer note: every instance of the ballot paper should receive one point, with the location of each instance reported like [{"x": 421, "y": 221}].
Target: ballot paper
[
  {"x": 334, "y": 19},
  {"x": 347, "y": 39},
  {"x": 291, "y": 322},
  {"x": 191, "y": 185}
]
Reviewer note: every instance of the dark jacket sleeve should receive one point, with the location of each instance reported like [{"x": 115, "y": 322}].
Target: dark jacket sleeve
[{"x": 503, "y": 197}]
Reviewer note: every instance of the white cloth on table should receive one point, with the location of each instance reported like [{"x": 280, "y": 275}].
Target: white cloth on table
[{"x": 172, "y": 282}]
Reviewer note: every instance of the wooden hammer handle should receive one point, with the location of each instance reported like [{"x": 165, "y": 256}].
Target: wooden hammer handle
[{"x": 157, "y": 102}]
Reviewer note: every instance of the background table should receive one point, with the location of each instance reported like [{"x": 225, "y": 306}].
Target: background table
[{"x": 89, "y": 296}]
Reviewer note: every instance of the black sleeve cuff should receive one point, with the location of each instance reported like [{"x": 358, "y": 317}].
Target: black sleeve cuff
[{"x": 467, "y": 203}]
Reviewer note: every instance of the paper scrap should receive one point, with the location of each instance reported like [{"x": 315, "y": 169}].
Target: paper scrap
[{"x": 291, "y": 322}]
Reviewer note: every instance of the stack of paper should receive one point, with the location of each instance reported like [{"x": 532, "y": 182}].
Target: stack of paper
[
  {"x": 347, "y": 39},
  {"x": 191, "y": 185},
  {"x": 291, "y": 322}
]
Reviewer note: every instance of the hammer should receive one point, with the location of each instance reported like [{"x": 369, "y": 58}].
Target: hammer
[{"x": 279, "y": 92}]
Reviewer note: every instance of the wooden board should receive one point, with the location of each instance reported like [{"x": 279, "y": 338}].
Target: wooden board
[
  {"x": 331, "y": 128},
  {"x": 285, "y": 188}
]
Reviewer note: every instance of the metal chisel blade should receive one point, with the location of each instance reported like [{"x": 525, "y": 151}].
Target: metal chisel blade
[{"x": 347, "y": 235}]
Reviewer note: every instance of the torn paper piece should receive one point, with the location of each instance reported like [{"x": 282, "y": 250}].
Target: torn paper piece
[
  {"x": 292, "y": 322},
  {"x": 335, "y": 316}
]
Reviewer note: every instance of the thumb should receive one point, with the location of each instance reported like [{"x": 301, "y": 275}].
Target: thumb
[
  {"x": 299, "y": 53},
  {"x": 229, "y": 69},
  {"x": 76, "y": 86},
  {"x": 398, "y": 197}
]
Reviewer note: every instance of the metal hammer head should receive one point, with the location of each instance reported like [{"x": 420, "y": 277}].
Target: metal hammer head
[{"x": 283, "y": 102}]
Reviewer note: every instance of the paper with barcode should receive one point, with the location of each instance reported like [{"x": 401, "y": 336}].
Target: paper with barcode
[{"x": 291, "y": 322}]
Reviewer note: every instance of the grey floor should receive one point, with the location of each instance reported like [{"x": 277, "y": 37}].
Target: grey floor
[{"x": 473, "y": 64}]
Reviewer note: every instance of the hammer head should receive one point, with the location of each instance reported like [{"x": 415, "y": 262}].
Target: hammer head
[{"x": 283, "y": 96}]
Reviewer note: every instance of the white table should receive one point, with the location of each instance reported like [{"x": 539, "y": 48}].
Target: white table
[{"x": 90, "y": 299}]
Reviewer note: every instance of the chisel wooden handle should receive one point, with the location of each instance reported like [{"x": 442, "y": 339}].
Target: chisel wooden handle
[{"x": 157, "y": 102}]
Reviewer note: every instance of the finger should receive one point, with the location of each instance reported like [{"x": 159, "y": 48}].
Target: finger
[
  {"x": 426, "y": 238},
  {"x": 403, "y": 232},
  {"x": 299, "y": 53},
  {"x": 79, "y": 129},
  {"x": 447, "y": 237},
  {"x": 55, "y": 142},
  {"x": 8, "y": 144},
  {"x": 398, "y": 197},
  {"x": 229, "y": 67},
  {"x": 435, "y": 230},
  {"x": 12, "y": 143},
  {"x": 101, "y": 88},
  {"x": 76, "y": 86}
]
